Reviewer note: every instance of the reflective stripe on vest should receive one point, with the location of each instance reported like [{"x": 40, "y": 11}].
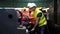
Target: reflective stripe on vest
[{"x": 42, "y": 20}]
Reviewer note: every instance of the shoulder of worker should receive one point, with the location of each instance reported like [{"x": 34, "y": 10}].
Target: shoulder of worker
[
  {"x": 39, "y": 11},
  {"x": 39, "y": 14}
]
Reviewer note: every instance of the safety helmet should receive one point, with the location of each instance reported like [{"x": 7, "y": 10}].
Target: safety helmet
[
  {"x": 30, "y": 5},
  {"x": 24, "y": 8}
]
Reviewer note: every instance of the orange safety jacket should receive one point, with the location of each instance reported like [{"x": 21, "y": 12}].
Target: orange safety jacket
[
  {"x": 24, "y": 15},
  {"x": 31, "y": 16}
]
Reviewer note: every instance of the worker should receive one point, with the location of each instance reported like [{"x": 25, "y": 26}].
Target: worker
[
  {"x": 40, "y": 22},
  {"x": 24, "y": 13},
  {"x": 31, "y": 16},
  {"x": 31, "y": 20}
]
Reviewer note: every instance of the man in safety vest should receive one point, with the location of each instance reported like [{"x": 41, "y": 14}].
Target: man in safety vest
[{"x": 40, "y": 22}]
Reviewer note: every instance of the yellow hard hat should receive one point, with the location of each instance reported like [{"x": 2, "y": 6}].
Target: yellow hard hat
[{"x": 24, "y": 8}]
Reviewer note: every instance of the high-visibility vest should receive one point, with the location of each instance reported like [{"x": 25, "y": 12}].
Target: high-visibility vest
[
  {"x": 42, "y": 20},
  {"x": 24, "y": 15},
  {"x": 31, "y": 15}
]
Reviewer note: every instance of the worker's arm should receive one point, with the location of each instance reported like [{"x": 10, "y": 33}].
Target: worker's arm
[
  {"x": 18, "y": 14},
  {"x": 37, "y": 20}
]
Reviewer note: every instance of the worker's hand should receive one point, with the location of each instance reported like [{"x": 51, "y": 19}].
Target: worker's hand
[{"x": 32, "y": 29}]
